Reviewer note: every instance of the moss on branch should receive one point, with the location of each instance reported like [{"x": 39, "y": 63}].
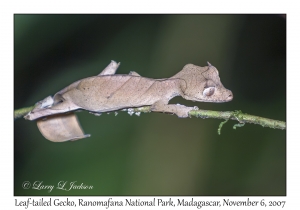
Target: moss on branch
[{"x": 239, "y": 116}]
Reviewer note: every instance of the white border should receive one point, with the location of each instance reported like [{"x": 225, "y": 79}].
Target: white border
[{"x": 8, "y": 8}]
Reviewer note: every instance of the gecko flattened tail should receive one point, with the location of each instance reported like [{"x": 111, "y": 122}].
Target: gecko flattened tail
[{"x": 61, "y": 127}]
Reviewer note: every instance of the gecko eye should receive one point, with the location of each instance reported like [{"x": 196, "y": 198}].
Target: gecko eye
[{"x": 209, "y": 91}]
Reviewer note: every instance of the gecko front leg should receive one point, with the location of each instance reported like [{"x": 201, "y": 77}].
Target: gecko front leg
[{"x": 180, "y": 110}]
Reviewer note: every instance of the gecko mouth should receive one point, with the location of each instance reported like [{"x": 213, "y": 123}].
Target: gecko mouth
[{"x": 229, "y": 97}]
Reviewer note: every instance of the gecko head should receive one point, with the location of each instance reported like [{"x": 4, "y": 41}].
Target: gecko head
[{"x": 204, "y": 84}]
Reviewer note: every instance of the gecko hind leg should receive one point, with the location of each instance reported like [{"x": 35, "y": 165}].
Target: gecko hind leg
[
  {"x": 110, "y": 69},
  {"x": 63, "y": 107}
]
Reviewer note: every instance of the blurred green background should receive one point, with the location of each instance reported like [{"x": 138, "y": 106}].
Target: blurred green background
[{"x": 154, "y": 154}]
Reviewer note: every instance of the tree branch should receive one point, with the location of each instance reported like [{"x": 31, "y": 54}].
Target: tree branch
[
  {"x": 239, "y": 116},
  {"x": 22, "y": 112},
  {"x": 242, "y": 118}
]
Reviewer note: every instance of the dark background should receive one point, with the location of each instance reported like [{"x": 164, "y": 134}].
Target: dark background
[{"x": 154, "y": 154}]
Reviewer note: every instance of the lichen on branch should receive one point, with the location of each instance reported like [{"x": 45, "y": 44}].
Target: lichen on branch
[{"x": 239, "y": 116}]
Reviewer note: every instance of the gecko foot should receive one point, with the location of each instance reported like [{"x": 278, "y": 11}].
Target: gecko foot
[
  {"x": 183, "y": 111},
  {"x": 180, "y": 110}
]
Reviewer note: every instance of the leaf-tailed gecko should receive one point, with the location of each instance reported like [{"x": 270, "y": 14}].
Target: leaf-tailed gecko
[{"x": 108, "y": 92}]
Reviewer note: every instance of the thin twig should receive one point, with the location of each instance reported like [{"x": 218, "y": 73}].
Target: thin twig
[
  {"x": 22, "y": 112},
  {"x": 242, "y": 118},
  {"x": 230, "y": 115}
]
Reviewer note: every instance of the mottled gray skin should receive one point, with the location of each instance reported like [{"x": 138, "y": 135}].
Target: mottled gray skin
[
  {"x": 109, "y": 92},
  {"x": 114, "y": 92}
]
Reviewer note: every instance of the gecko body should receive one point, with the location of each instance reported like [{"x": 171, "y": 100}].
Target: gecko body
[{"x": 108, "y": 92}]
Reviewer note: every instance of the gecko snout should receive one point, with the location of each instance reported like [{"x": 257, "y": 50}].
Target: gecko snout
[{"x": 230, "y": 96}]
